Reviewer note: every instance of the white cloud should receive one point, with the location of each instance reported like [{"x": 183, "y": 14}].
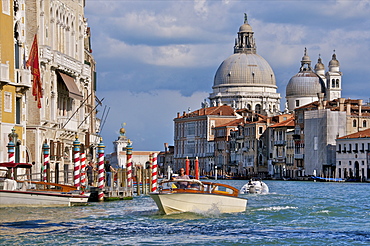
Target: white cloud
[
  {"x": 148, "y": 115},
  {"x": 348, "y": 9},
  {"x": 158, "y": 44}
]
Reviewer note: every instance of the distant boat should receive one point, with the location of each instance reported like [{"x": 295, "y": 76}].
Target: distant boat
[
  {"x": 254, "y": 187},
  {"x": 317, "y": 178},
  {"x": 33, "y": 193},
  {"x": 197, "y": 196}
]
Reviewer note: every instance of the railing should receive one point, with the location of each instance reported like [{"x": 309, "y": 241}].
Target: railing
[
  {"x": 61, "y": 60},
  {"x": 71, "y": 125},
  {"x": 23, "y": 77},
  {"x": 279, "y": 160},
  {"x": 298, "y": 156},
  {"x": 280, "y": 142}
]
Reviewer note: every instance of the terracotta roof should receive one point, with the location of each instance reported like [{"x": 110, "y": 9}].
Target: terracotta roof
[
  {"x": 232, "y": 123},
  {"x": 360, "y": 134},
  {"x": 219, "y": 110},
  {"x": 288, "y": 122},
  {"x": 334, "y": 106}
]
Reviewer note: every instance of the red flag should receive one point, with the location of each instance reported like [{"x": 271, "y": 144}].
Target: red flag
[{"x": 33, "y": 62}]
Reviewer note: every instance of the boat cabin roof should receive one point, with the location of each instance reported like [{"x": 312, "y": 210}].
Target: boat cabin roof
[{"x": 15, "y": 165}]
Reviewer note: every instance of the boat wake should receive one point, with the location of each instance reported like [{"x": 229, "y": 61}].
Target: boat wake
[{"x": 276, "y": 208}]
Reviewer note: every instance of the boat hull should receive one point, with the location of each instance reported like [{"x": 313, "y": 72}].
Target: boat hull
[
  {"x": 27, "y": 198},
  {"x": 169, "y": 203}
]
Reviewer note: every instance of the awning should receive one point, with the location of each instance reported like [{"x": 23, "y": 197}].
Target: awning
[{"x": 71, "y": 86}]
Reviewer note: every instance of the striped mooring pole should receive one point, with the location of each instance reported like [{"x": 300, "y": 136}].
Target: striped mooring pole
[
  {"x": 76, "y": 155},
  {"x": 154, "y": 173},
  {"x": 101, "y": 173},
  {"x": 46, "y": 152},
  {"x": 83, "y": 168},
  {"x": 129, "y": 164},
  {"x": 11, "y": 157}
]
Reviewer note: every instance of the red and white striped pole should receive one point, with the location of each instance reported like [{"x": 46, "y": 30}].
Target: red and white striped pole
[
  {"x": 76, "y": 160},
  {"x": 101, "y": 170},
  {"x": 46, "y": 150},
  {"x": 83, "y": 167},
  {"x": 11, "y": 157},
  {"x": 129, "y": 164},
  {"x": 196, "y": 168},
  {"x": 154, "y": 173}
]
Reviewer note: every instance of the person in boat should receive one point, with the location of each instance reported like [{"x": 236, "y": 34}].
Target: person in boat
[{"x": 182, "y": 175}]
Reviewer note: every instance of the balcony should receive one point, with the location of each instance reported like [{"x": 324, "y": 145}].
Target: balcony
[
  {"x": 280, "y": 142},
  {"x": 4, "y": 73},
  {"x": 279, "y": 160},
  {"x": 299, "y": 156},
  {"x": 61, "y": 60},
  {"x": 70, "y": 126},
  {"x": 23, "y": 79},
  {"x": 86, "y": 70}
]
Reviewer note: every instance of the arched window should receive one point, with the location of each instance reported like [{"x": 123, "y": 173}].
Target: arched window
[
  {"x": 332, "y": 83},
  {"x": 364, "y": 123},
  {"x": 337, "y": 83},
  {"x": 258, "y": 109},
  {"x": 249, "y": 107},
  {"x": 354, "y": 123}
]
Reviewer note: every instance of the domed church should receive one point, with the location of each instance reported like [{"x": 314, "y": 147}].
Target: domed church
[
  {"x": 304, "y": 87},
  {"x": 245, "y": 79}
]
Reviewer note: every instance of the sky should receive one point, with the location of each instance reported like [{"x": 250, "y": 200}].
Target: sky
[{"x": 157, "y": 58}]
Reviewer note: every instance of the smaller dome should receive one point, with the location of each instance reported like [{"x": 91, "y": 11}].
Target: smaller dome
[
  {"x": 319, "y": 65},
  {"x": 245, "y": 28},
  {"x": 334, "y": 62},
  {"x": 305, "y": 83},
  {"x": 306, "y": 58}
]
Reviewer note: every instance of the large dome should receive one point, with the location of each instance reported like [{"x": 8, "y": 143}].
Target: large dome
[
  {"x": 305, "y": 83},
  {"x": 244, "y": 69}
]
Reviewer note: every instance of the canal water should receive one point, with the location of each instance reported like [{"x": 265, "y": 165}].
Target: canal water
[{"x": 293, "y": 213}]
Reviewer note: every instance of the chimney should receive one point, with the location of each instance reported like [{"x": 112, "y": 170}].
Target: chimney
[
  {"x": 360, "y": 107},
  {"x": 321, "y": 98},
  {"x": 341, "y": 104},
  {"x": 268, "y": 121},
  {"x": 178, "y": 114},
  {"x": 349, "y": 107}
]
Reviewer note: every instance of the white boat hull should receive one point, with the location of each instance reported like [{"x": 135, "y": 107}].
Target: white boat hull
[
  {"x": 169, "y": 203},
  {"x": 254, "y": 187},
  {"x": 29, "y": 198}
]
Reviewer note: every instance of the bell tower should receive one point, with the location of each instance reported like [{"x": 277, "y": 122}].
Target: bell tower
[{"x": 333, "y": 80}]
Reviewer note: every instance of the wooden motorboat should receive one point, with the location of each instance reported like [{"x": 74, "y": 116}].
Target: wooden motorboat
[
  {"x": 34, "y": 193},
  {"x": 198, "y": 196}
]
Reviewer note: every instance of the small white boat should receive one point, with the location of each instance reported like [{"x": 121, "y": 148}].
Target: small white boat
[
  {"x": 254, "y": 187},
  {"x": 33, "y": 193},
  {"x": 198, "y": 197}
]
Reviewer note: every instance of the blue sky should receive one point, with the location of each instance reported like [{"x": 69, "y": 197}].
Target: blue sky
[{"x": 157, "y": 58}]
